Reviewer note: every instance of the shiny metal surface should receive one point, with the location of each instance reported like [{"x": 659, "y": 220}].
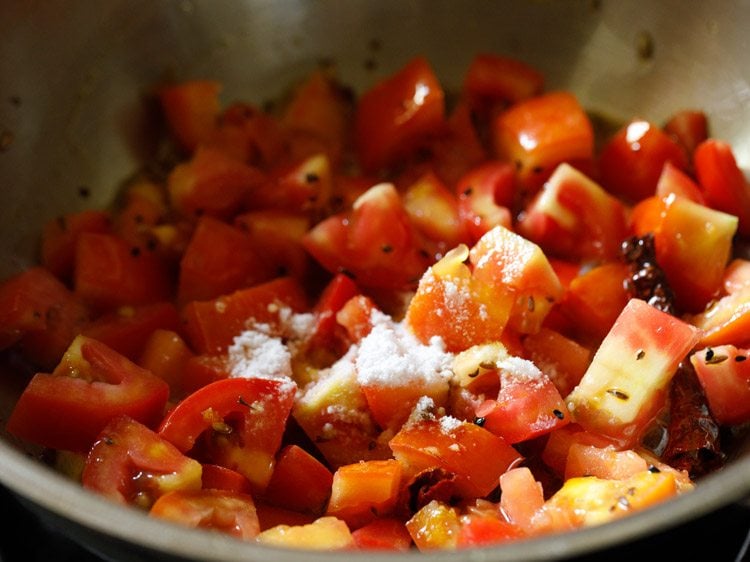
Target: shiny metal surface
[{"x": 74, "y": 112}]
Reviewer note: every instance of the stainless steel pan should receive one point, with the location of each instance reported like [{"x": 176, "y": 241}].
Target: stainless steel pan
[{"x": 73, "y": 114}]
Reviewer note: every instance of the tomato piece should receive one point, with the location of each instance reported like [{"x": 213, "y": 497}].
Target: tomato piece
[
  {"x": 689, "y": 128},
  {"x": 271, "y": 516},
  {"x": 674, "y": 181},
  {"x": 375, "y": 242},
  {"x": 397, "y": 113},
  {"x": 217, "y": 477},
  {"x": 574, "y": 218},
  {"x": 304, "y": 187},
  {"x": 689, "y": 234},
  {"x": 318, "y": 115},
  {"x": 365, "y": 490},
  {"x": 383, "y": 534},
  {"x": 325, "y": 533},
  {"x": 356, "y": 317},
  {"x": 475, "y": 455},
  {"x": 602, "y": 462},
  {"x": 486, "y": 195},
  {"x": 521, "y": 497},
  {"x": 541, "y": 132},
  {"x": 218, "y": 260},
  {"x": 232, "y": 513},
  {"x": 511, "y": 264},
  {"x": 326, "y": 333},
  {"x": 110, "y": 273},
  {"x": 92, "y": 385},
  {"x": 212, "y": 325},
  {"x": 479, "y": 530},
  {"x": 191, "y": 108},
  {"x": 144, "y": 207},
  {"x": 725, "y": 377},
  {"x": 165, "y": 354},
  {"x": 562, "y": 359},
  {"x": 528, "y": 404},
  {"x": 478, "y": 313},
  {"x": 60, "y": 235},
  {"x": 434, "y": 211},
  {"x": 559, "y": 442},
  {"x": 277, "y": 238},
  {"x": 631, "y": 161},
  {"x": 201, "y": 370},
  {"x": 299, "y": 482},
  {"x": 594, "y": 299},
  {"x": 434, "y": 526},
  {"x": 129, "y": 463},
  {"x": 624, "y": 386},
  {"x": 38, "y": 312},
  {"x": 241, "y": 422},
  {"x": 211, "y": 183},
  {"x": 492, "y": 79},
  {"x": 127, "y": 329},
  {"x": 723, "y": 182}
]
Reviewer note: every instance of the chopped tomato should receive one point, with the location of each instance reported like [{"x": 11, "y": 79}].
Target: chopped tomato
[
  {"x": 475, "y": 455},
  {"x": 299, "y": 482},
  {"x": 541, "y": 132},
  {"x": 166, "y": 354},
  {"x": 129, "y": 463},
  {"x": 434, "y": 526},
  {"x": 689, "y": 128},
  {"x": 127, "y": 329},
  {"x": 394, "y": 116},
  {"x": 110, "y": 273},
  {"x": 238, "y": 421},
  {"x": 528, "y": 404},
  {"x": 39, "y": 313},
  {"x": 624, "y": 386},
  {"x": 92, "y": 385},
  {"x": 486, "y": 197},
  {"x": 723, "y": 182},
  {"x": 495, "y": 79},
  {"x": 484, "y": 530},
  {"x": 212, "y": 325},
  {"x": 521, "y": 497},
  {"x": 218, "y": 260},
  {"x": 211, "y": 183},
  {"x": 383, "y": 534},
  {"x": 60, "y": 235},
  {"x": 725, "y": 377},
  {"x": 325, "y": 533},
  {"x": 218, "y": 510},
  {"x": 631, "y": 161},
  {"x": 602, "y": 462},
  {"x": 192, "y": 109},
  {"x": 376, "y": 243},
  {"x": 217, "y": 477}
]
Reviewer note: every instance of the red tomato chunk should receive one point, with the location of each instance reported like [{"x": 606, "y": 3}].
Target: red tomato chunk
[{"x": 401, "y": 321}]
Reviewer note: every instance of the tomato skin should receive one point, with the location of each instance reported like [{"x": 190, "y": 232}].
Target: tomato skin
[
  {"x": 725, "y": 377},
  {"x": 251, "y": 413},
  {"x": 397, "y": 113},
  {"x": 165, "y": 353},
  {"x": 631, "y": 161},
  {"x": 92, "y": 385},
  {"x": 218, "y": 510},
  {"x": 689, "y": 128},
  {"x": 131, "y": 464},
  {"x": 215, "y": 477}
]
